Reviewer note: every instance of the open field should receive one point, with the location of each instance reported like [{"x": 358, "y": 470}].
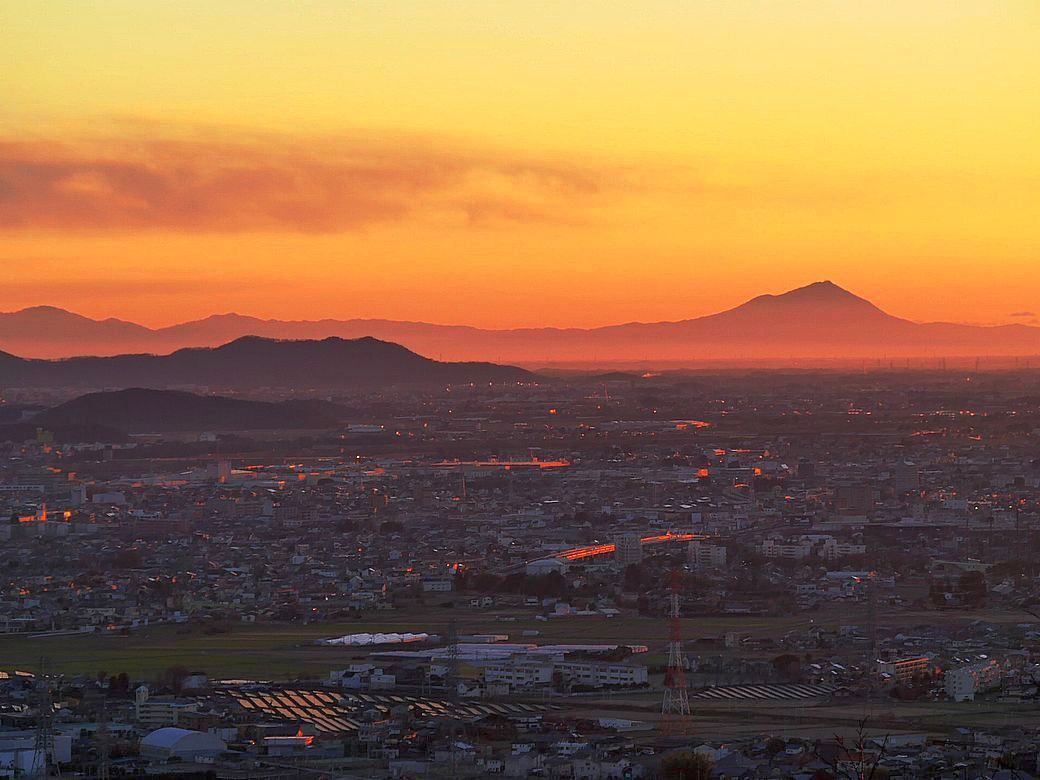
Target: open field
[
  {"x": 278, "y": 651},
  {"x": 284, "y": 651}
]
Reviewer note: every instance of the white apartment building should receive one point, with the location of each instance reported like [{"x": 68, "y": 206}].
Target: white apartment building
[
  {"x": 438, "y": 584},
  {"x": 831, "y": 549},
  {"x": 963, "y": 682},
  {"x": 160, "y": 712},
  {"x": 532, "y": 674},
  {"x": 906, "y": 670},
  {"x": 706, "y": 556},
  {"x": 826, "y": 547},
  {"x": 628, "y": 549},
  {"x": 519, "y": 675},
  {"x": 771, "y": 548}
]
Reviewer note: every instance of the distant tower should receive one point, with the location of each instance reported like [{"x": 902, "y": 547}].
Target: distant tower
[
  {"x": 906, "y": 478},
  {"x": 44, "y": 723},
  {"x": 219, "y": 471},
  {"x": 675, "y": 708},
  {"x": 872, "y": 641},
  {"x": 104, "y": 761},
  {"x": 806, "y": 469},
  {"x": 140, "y": 699},
  {"x": 452, "y": 676},
  {"x": 628, "y": 549},
  {"x": 452, "y": 680}
]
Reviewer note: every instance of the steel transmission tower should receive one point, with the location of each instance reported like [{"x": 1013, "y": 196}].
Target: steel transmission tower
[
  {"x": 872, "y": 638},
  {"x": 675, "y": 707},
  {"x": 873, "y": 650},
  {"x": 452, "y": 678},
  {"x": 44, "y": 722},
  {"x": 104, "y": 769}
]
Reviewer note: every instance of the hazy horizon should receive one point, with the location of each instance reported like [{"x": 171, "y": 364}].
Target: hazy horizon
[
  {"x": 1027, "y": 318},
  {"x": 820, "y": 324},
  {"x": 520, "y": 165}
]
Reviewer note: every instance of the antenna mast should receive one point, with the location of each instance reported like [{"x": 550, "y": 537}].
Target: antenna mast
[
  {"x": 44, "y": 722},
  {"x": 675, "y": 707}
]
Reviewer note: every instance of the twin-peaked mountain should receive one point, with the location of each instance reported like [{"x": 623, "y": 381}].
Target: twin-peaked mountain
[
  {"x": 253, "y": 363},
  {"x": 821, "y": 320}
]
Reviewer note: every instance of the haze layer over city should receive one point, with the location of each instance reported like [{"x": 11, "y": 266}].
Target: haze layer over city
[{"x": 443, "y": 389}]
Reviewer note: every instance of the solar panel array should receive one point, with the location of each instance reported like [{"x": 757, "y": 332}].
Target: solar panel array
[
  {"x": 751, "y": 692},
  {"x": 324, "y": 711}
]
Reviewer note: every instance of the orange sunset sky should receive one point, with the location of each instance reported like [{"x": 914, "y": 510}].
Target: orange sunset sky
[{"x": 517, "y": 163}]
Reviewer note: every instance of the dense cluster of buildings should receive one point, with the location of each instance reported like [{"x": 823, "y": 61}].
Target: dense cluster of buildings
[{"x": 859, "y": 557}]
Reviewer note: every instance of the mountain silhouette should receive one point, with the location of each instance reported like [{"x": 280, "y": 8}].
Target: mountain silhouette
[
  {"x": 139, "y": 410},
  {"x": 820, "y": 320},
  {"x": 252, "y": 362},
  {"x": 47, "y": 331},
  {"x": 805, "y": 304}
]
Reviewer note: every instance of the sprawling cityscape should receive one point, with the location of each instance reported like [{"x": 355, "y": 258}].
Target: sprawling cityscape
[
  {"x": 617, "y": 390},
  {"x": 735, "y": 574}
]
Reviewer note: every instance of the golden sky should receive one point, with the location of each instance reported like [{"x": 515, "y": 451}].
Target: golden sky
[{"x": 518, "y": 162}]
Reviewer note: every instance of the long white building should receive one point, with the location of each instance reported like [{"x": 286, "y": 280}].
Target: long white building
[{"x": 519, "y": 675}]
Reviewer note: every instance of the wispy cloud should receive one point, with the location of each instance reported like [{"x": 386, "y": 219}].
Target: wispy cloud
[
  {"x": 228, "y": 183},
  {"x": 1022, "y": 314}
]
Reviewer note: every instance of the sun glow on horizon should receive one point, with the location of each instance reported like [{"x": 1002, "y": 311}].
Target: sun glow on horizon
[{"x": 518, "y": 163}]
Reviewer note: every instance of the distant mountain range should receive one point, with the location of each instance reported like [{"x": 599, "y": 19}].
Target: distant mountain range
[
  {"x": 255, "y": 363},
  {"x": 821, "y": 320},
  {"x": 156, "y": 411}
]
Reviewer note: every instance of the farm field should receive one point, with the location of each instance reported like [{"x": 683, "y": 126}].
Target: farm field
[
  {"x": 283, "y": 652},
  {"x": 286, "y": 651}
]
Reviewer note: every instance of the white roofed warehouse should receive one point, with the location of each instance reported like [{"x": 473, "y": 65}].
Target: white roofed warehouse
[{"x": 168, "y": 743}]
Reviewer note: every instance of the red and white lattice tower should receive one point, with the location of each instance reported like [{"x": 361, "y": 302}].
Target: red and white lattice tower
[{"x": 675, "y": 707}]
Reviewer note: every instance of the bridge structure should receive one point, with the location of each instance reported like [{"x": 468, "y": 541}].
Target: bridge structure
[{"x": 593, "y": 550}]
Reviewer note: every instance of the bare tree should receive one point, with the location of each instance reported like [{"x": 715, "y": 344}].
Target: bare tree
[{"x": 853, "y": 759}]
